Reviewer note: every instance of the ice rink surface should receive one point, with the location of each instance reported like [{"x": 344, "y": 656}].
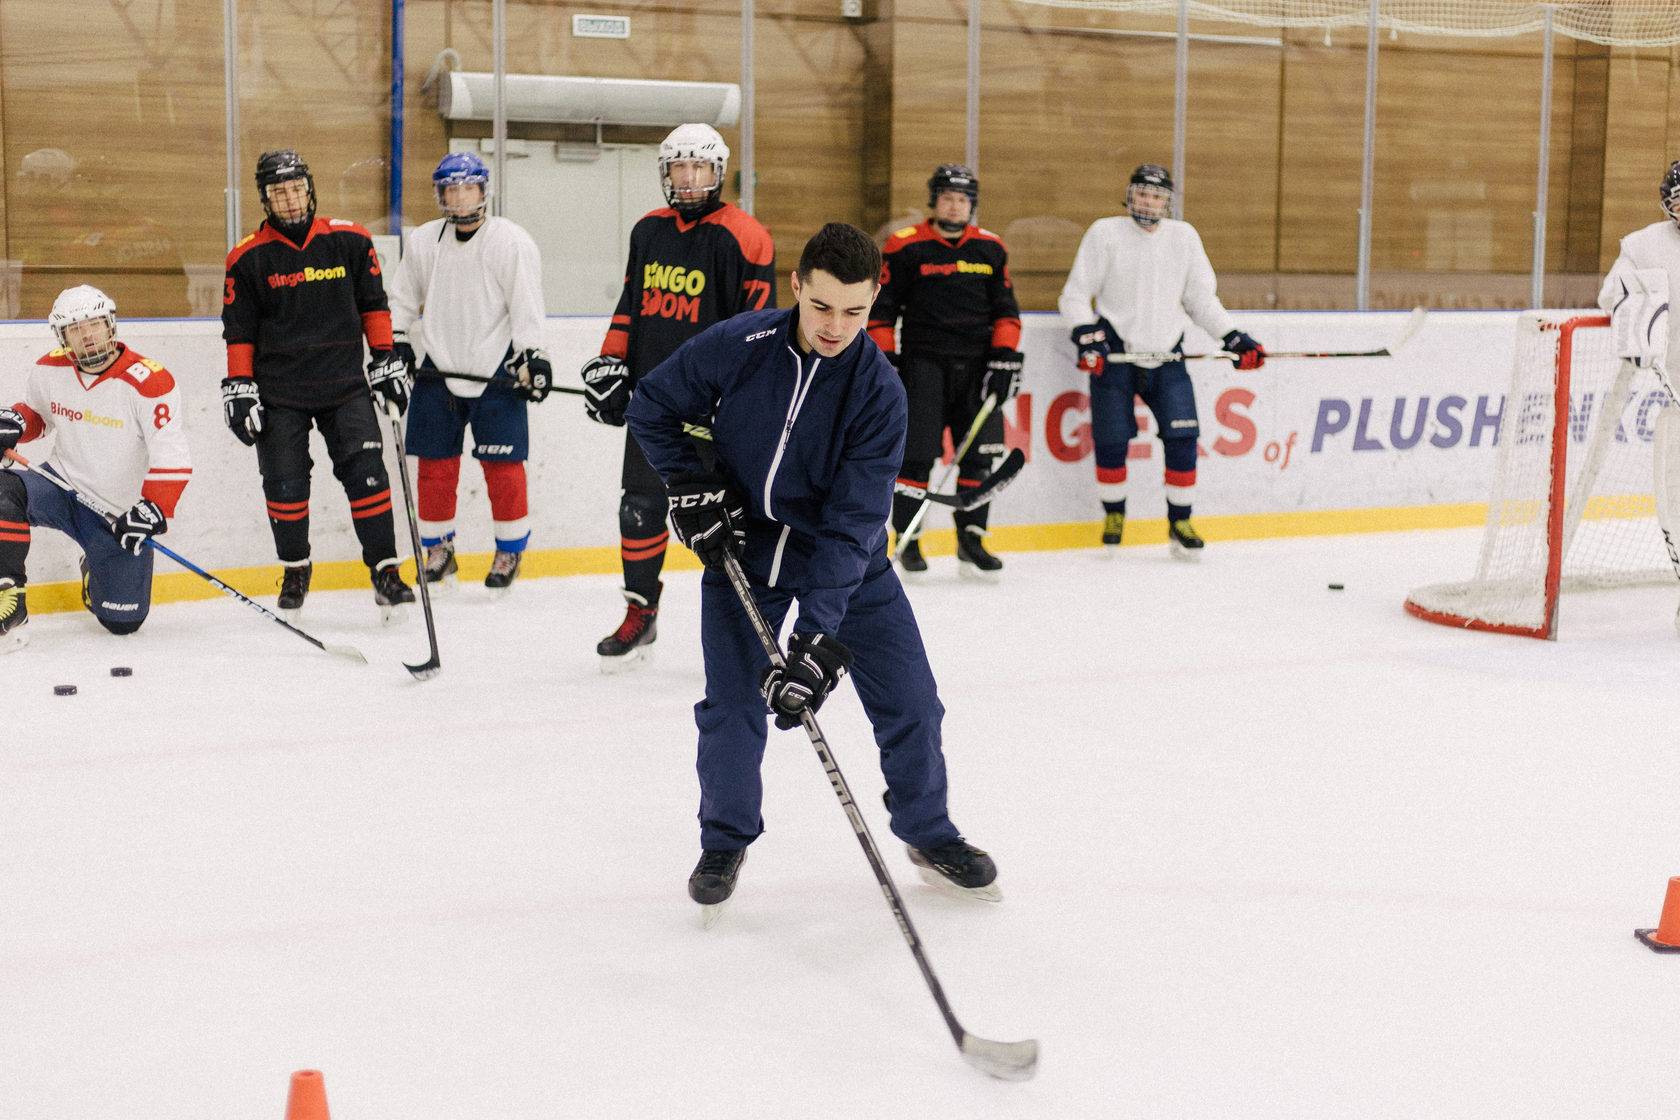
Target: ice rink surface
[{"x": 1267, "y": 850}]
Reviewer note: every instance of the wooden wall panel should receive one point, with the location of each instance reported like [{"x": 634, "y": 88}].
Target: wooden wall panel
[{"x": 1635, "y": 137}]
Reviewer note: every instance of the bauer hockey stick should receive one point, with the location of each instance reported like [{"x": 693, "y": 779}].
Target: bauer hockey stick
[
  {"x": 51, "y": 476},
  {"x": 1011, "y": 1061},
  {"x": 1414, "y": 323},
  {"x": 433, "y": 665},
  {"x": 928, "y": 494}
]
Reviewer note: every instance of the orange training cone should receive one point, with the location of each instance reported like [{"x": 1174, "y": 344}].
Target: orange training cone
[
  {"x": 1666, "y": 937},
  {"x": 308, "y": 1098}
]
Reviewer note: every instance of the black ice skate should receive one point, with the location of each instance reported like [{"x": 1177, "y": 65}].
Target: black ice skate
[
  {"x": 713, "y": 881},
  {"x": 1114, "y": 526},
  {"x": 1184, "y": 541},
  {"x": 294, "y": 587},
  {"x": 960, "y": 868},
  {"x": 912, "y": 562},
  {"x": 973, "y": 561},
  {"x": 504, "y": 569},
  {"x": 632, "y": 643},
  {"x": 14, "y": 612},
  {"x": 390, "y": 592},
  {"x": 440, "y": 563}
]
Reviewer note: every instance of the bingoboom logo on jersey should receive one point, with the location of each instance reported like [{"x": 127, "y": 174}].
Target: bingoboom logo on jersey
[
  {"x": 293, "y": 279},
  {"x": 951, "y": 267},
  {"x": 672, "y": 291},
  {"x": 81, "y": 416}
]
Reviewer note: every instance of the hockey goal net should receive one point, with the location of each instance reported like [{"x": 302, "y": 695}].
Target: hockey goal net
[{"x": 1572, "y": 506}]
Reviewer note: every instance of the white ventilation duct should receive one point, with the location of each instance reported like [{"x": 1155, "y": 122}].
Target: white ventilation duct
[{"x": 567, "y": 100}]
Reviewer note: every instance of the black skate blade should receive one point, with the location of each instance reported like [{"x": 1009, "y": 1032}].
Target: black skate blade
[
  {"x": 991, "y": 892},
  {"x": 709, "y": 914},
  {"x": 1007, "y": 1061},
  {"x": 425, "y": 672}
]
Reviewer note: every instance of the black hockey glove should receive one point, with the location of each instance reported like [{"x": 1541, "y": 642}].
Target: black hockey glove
[
  {"x": 707, "y": 515},
  {"x": 388, "y": 376},
  {"x": 606, "y": 385},
  {"x": 1249, "y": 353},
  {"x": 1094, "y": 341},
  {"x": 139, "y": 525},
  {"x": 1003, "y": 374},
  {"x": 11, "y": 428},
  {"x": 535, "y": 376},
  {"x": 815, "y": 663},
  {"x": 242, "y": 409},
  {"x": 401, "y": 348}
]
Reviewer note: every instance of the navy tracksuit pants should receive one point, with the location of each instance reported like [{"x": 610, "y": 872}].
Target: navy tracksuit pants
[{"x": 893, "y": 681}]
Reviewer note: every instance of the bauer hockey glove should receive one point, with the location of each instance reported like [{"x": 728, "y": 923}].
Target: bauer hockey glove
[
  {"x": 707, "y": 515},
  {"x": 606, "y": 389},
  {"x": 1003, "y": 374},
  {"x": 815, "y": 663},
  {"x": 1249, "y": 353},
  {"x": 139, "y": 525},
  {"x": 1094, "y": 341},
  {"x": 388, "y": 376},
  {"x": 11, "y": 428},
  {"x": 242, "y": 408},
  {"x": 535, "y": 376},
  {"x": 401, "y": 348}
]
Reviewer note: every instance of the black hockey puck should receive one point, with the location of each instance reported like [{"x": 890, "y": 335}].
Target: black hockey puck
[
  {"x": 64, "y": 690},
  {"x": 1335, "y": 587},
  {"x": 122, "y": 671}
]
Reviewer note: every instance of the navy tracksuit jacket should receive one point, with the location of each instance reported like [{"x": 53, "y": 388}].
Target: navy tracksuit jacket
[{"x": 813, "y": 445}]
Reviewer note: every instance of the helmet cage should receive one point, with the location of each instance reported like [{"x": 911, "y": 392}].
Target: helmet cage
[
  {"x": 83, "y": 304},
  {"x": 693, "y": 143},
  {"x": 1669, "y": 193},
  {"x": 1149, "y": 195},
  {"x": 458, "y": 169}
]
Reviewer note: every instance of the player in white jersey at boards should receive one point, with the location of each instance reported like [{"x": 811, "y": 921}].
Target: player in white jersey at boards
[
  {"x": 118, "y": 438},
  {"x": 468, "y": 298},
  {"x": 1137, "y": 281}
]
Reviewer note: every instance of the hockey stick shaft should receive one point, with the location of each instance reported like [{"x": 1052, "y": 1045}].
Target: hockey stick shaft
[
  {"x": 444, "y": 375},
  {"x": 913, "y": 530},
  {"x": 433, "y": 664},
  {"x": 1413, "y": 324},
  {"x": 98, "y": 507},
  {"x": 1010, "y": 1060}
]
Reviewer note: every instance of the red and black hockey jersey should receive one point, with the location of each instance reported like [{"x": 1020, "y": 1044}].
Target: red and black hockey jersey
[
  {"x": 294, "y": 316},
  {"x": 683, "y": 276},
  {"x": 955, "y": 298}
]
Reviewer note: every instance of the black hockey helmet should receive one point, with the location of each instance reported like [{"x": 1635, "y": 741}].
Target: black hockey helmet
[
  {"x": 954, "y": 177},
  {"x": 1153, "y": 178},
  {"x": 1670, "y": 191},
  {"x": 282, "y": 166}
]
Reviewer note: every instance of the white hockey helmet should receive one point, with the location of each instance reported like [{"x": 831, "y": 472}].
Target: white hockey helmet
[
  {"x": 693, "y": 143},
  {"x": 79, "y": 305}
]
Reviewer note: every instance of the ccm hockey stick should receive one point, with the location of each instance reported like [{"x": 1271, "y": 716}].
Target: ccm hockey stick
[
  {"x": 433, "y": 665},
  {"x": 1011, "y": 1061},
  {"x": 932, "y": 493},
  {"x": 349, "y": 652},
  {"x": 1414, "y": 323}
]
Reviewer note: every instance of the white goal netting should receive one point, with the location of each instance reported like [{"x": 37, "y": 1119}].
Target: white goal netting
[
  {"x": 1572, "y": 505},
  {"x": 1619, "y": 23}
]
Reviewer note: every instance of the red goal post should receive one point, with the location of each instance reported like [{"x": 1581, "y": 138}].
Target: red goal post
[{"x": 1572, "y": 505}]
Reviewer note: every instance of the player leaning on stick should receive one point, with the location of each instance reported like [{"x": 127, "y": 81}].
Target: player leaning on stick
[
  {"x": 115, "y": 419},
  {"x": 946, "y": 284},
  {"x": 301, "y": 293},
  {"x": 692, "y": 263},
  {"x": 1137, "y": 282},
  {"x": 1636, "y": 295},
  {"x": 469, "y": 292},
  {"x": 808, "y": 421}
]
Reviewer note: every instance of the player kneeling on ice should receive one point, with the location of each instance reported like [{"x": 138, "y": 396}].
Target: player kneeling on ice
[
  {"x": 808, "y": 421},
  {"x": 118, "y": 439}
]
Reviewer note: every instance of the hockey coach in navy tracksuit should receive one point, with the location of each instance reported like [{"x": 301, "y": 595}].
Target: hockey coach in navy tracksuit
[{"x": 808, "y": 422}]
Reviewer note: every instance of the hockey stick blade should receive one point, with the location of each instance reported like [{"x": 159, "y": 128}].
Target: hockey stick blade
[
  {"x": 978, "y": 495},
  {"x": 425, "y": 672},
  {"x": 1007, "y": 1061}
]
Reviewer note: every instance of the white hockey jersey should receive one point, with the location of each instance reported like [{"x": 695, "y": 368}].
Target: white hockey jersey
[
  {"x": 118, "y": 436},
  {"x": 1655, "y": 246},
  {"x": 1148, "y": 284},
  {"x": 472, "y": 299}
]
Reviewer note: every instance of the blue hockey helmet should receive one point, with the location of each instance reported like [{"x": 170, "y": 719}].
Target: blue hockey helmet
[{"x": 456, "y": 169}]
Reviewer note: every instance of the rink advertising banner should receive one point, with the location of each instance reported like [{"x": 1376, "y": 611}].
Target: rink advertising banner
[{"x": 1299, "y": 436}]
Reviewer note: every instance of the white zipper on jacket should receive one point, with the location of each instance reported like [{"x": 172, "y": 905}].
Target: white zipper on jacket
[{"x": 801, "y": 386}]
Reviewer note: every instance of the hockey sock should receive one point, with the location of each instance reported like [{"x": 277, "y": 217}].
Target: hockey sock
[
  {"x": 642, "y": 543},
  {"x": 288, "y": 517},
  {"x": 14, "y": 527},
  {"x": 1176, "y": 512},
  {"x": 506, "y": 485},
  {"x": 437, "y": 480},
  {"x": 370, "y": 516},
  {"x": 1179, "y": 457}
]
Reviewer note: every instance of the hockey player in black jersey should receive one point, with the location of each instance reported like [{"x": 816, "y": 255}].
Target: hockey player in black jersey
[
  {"x": 693, "y": 263},
  {"x": 301, "y": 294},
  {"x": 946, "y": 286}
]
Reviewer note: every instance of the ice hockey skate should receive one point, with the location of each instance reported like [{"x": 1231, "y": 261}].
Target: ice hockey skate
[
  {"x": 504, "y": 569},
  {"x": 1114, "y": 527},
  {"x": 912, "y": 563},
  {"x": 973, "y": 561},
  {"x": 390, "y": 593},
  {"x": 713, "y": 881},
  {"x": 294, "y": 588},
  {"x": 1183, "y": 540},
  {"x": 441, "y": 568},
  {"x": 631, "y": 645},
  {"x": 14, "y": 613},
  {"x": 958, "y": 868}
]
